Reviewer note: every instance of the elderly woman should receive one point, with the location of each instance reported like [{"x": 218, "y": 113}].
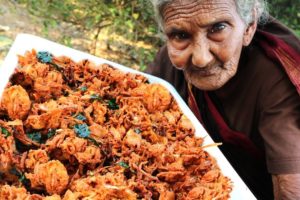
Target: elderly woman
[{"x": 239, "y": 70}]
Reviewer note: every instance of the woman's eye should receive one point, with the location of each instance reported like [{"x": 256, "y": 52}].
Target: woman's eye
[
  {"x": 179, "y": 36},
  {"x": 179, "y": 39},
  {"x": 216, "y": 28}
]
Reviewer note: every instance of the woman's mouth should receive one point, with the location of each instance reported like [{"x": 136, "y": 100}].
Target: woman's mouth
[{"x": 203, "y": 72}]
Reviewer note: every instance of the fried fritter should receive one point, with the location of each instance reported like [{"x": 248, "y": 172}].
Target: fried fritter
[
  {"x": 16, "y": 102},
  {"x": 51, "y": 175},
  {"x": 79, "y": 131}
]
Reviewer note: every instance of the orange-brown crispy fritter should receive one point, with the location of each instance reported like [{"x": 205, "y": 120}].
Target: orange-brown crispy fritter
[{"x": 73, "y": 130}]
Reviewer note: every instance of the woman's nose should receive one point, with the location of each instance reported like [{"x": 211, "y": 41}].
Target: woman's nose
[{"x": 201, "y": 55}]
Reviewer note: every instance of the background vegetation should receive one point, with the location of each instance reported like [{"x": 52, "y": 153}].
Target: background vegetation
[
  {"x": 287, "y": 11},
  {"x": 121, "y": 30}
]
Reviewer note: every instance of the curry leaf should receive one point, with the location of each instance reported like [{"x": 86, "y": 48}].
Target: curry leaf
[
  {"x": 137, "y": 130},
  {"x": 96, "y": 97},
  {"x": 5, "y": 132},
  {"x": 93, "y": 141},
  {"x": 35, "y": 136},
  {"x": 58, "y": 68},
  {"x": 83, "y": 88},
  {"x": 123, "y": 164},
  {"x": 51, "y": 133},
  {"x": 82, "y": 130},
  {"x": 15, "y": 172},
  {"x": 44, "y": 57},
  {"x": 112, "y": 104},
  {"x": 22, "y": 178},
  {"x": 80, "y": 117}
]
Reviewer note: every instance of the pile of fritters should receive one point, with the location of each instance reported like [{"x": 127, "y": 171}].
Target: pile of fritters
[{"x": 78, "y": 131}]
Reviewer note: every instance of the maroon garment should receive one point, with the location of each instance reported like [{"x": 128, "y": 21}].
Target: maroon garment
[
  {"x": 261, "y": 102},
  {"x": 279, "y": 51},
  {"x": 226, "y": 134}
]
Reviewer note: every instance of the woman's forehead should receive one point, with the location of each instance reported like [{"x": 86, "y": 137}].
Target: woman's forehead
[{"x": 207, "y": 9}]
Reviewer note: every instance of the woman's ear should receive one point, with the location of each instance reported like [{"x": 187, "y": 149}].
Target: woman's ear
[
  {"x": 250, "y": 30},
  {"x": 249, "y": 33}
]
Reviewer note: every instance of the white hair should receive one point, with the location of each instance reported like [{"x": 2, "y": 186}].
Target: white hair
[{"x": 245, "y": 9}]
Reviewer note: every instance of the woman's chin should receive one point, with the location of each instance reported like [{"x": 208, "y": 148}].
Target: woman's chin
[
  {"x": 207, "y": 87},
  {"x": 207, "y": 83}
]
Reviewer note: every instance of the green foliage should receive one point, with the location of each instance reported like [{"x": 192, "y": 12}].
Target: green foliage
[
  {"x": 5, "y": 42},
  {"x": 67, "y": 40},
  {"x": 133, "y": 20},
  {"x": 288, "y": 12},
  {"x": 1, "y": 11}
]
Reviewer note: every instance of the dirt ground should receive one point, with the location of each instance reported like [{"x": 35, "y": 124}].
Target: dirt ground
[
  {"x": 12, "y": 22},
  {"x": 15, "y": 19}
]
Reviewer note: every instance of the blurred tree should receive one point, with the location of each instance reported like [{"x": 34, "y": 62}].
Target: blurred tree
[
  {"x": 287, "y": 11},
  {"x": 131, "y": 19}
]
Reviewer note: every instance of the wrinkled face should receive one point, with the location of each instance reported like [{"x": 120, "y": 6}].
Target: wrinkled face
[{"x": 205, "y": 39}]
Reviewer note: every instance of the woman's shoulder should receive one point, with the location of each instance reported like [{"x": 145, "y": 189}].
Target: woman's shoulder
[
  {"x": 256, "y": 65},
  {"x": 270, "y": 55},
  {"x": 278, "y": 29},
  {"x": 269, "y": 77}
]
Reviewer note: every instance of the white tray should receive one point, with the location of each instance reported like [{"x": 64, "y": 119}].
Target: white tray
[{"x": 25, "y": 42}]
